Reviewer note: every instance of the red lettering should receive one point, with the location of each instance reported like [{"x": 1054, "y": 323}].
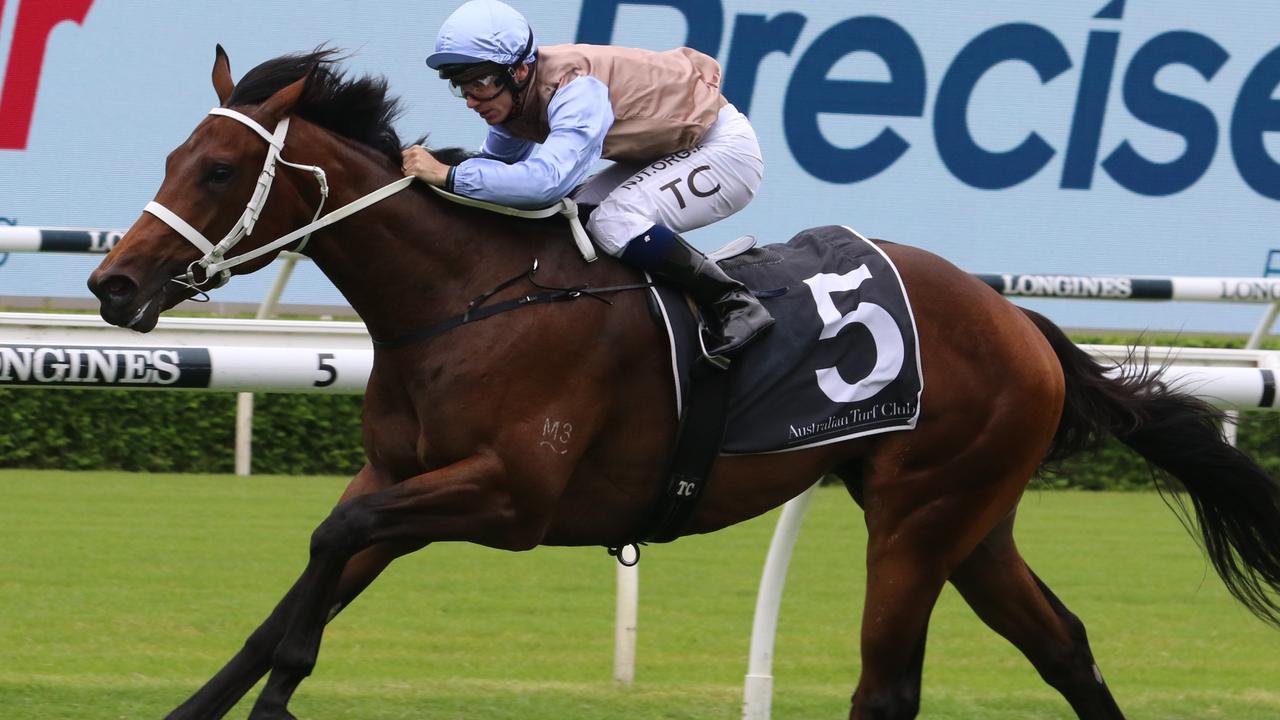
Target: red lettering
[{"x": 36, "y": 20}]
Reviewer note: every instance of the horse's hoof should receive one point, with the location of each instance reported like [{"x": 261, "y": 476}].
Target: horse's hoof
[{"x": 260, "y": 713}]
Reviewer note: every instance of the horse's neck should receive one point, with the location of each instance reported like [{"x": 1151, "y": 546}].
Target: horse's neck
[{"x": 412, "y": 259}]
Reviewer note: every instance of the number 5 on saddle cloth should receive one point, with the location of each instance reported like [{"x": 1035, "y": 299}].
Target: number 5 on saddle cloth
[{"x": 841, "y": 362}]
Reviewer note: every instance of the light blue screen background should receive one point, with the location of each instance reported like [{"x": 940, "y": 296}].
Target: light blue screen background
[{"x": 120, "y": 91}]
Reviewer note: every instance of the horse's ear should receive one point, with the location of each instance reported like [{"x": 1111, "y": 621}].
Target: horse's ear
[
  {"x": 222, "y": 82},
  {"x": 281, "y": 103}
]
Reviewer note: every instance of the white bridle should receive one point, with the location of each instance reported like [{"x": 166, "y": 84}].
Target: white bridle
[{"x": 216, "y": 266}]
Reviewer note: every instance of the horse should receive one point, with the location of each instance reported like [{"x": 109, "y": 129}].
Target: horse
[{"x": 452, "y": 420}]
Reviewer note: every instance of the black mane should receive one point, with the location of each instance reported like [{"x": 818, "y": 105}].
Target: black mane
[{"x": 360, "y": 109}]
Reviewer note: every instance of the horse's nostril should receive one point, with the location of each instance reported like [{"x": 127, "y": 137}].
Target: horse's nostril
[{"x": 116, "y": 289}]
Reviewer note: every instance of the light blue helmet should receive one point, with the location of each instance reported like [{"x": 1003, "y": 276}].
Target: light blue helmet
[{"x": 484, "y": 31}]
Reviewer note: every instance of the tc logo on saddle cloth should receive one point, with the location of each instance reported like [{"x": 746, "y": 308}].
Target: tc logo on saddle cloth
[{"x": 841, "y": 362}]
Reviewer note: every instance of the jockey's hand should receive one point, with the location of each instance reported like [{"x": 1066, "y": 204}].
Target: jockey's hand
[{"x": 421, "y": 164}]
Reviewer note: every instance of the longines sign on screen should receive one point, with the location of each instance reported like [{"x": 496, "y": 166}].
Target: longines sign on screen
[{"x": 1136, "y": 137}]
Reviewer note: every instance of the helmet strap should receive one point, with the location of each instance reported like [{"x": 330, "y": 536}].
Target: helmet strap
[{"x": 516, "y": 87}]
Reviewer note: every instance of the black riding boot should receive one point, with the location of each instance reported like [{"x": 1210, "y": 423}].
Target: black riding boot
[{"x": 738, "y": 317}]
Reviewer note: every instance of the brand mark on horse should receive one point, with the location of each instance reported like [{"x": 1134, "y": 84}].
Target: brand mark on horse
[{"x": 556, "y": 435}]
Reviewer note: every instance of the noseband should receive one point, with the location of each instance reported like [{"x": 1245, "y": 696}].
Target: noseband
[{"x": 214, "y": 265}]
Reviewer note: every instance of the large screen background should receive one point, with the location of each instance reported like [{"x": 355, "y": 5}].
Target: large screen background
[{"x": 989, "y": 133}]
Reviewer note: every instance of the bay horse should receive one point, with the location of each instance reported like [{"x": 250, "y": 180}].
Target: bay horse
[{"x": 452, "y": 423}]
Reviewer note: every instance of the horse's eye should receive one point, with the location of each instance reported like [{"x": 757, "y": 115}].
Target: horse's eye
[{"x": 219, "y": 174}]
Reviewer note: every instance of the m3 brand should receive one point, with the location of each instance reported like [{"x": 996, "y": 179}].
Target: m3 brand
[{"x": 811, "y": 92}]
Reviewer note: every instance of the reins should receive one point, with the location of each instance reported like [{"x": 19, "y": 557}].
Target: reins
[{"x": 216, "y": 267}]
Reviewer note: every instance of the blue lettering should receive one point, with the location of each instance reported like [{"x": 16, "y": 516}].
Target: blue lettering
[
  {"x": 1257, "y": 113},
  {"x": 705, "y": 17},
  {"x": 1193, "y": 121},
  {"x": 1113, "y": 11},
  {"x": 811, "y": 92},
  {"x": 1091, "y": 107},
  {"x": 970, "y": 163},
  {"x": 754, "y": 37}
]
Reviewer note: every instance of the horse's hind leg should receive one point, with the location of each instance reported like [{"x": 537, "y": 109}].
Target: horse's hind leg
[
  {"x": 1009, "y": 598},
  {"x": 921, "y": 523},
  {"x": 930, "y": 497}
]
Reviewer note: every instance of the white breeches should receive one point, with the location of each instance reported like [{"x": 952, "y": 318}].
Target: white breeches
[{"x": 683, "y": 191}]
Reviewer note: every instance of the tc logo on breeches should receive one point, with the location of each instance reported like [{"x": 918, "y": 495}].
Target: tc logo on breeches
[{"x": 674, "y": 186}]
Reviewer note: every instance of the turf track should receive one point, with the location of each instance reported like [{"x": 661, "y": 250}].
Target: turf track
[{"x": 120, "y": 593}]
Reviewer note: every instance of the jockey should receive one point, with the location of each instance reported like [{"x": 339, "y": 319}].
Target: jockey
[{"x": 683, "y": 156}]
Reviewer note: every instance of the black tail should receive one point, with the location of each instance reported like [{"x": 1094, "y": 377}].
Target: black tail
[{"x": 1236, "y": 503}]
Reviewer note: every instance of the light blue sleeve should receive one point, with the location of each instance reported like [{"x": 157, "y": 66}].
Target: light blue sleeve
[
  {"x": 502, "y": 145},
  {"x": 579, "y": 115}
]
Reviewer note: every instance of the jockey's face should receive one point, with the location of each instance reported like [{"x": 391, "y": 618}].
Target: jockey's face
[{"x": 494, "y": 107}]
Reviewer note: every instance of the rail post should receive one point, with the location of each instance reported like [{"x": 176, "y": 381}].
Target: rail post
[
  {"x": 757, "y": 691},
  {"x": 244, "y": 400},
  {"x": 628, "y": 604}
]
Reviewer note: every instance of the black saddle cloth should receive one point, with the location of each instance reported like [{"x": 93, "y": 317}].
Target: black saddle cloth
[{"x": 842, "y": 360}]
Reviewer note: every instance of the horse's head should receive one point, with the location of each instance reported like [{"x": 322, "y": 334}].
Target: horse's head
[{"x": 216, "y": 185}]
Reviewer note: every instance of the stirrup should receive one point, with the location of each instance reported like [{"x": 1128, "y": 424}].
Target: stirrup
[
  {"x": 733, "y": 248},
  {"x": 720, "y": 362}
]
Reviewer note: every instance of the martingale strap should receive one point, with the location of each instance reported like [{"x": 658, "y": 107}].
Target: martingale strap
[{"x": 477, "y": 310}]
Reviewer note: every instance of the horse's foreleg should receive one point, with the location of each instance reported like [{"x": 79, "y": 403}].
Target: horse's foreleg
[
  {"x": 239, "y": 675},
  {"x": 458, "y": 502},
  {"x": 1010, "y": 599}
]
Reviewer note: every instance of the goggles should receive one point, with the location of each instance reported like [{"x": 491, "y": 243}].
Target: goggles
[{"x": 481, "y": 89}]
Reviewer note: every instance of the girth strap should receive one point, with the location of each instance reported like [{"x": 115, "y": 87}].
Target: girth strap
[{"x": 697, "y": 446}]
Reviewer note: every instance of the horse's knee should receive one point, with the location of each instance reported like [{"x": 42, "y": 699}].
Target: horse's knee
[
  {"x": 501, "y": 522},
  {"x": 899, "y": 702},
  {"x": 345, "y": 531},
  {"x": 293, "y": 660},
  {"x": 263, "y": 641}
]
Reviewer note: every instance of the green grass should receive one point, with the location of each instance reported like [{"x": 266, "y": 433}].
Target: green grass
[{"x": 120, "y": 594}]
